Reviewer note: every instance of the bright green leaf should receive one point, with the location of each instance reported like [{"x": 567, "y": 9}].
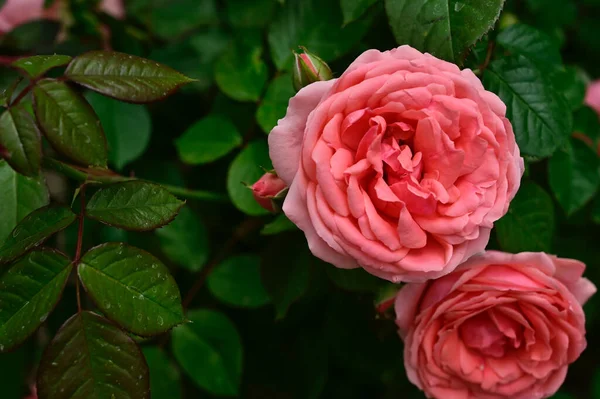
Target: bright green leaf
[
  {"x": 275, "y": 103},
  {"x": 165, "y": 378},
  {"x": 354, "y": 9},
  {"x": 132, "y": 287},
  {"x": 280, "y": 224},
  {"x": 574, "y": 175},
  {"x": 19, "y": 197},
  {"x": 21, "y": 139},
  {"x": 69, "y": 123},
  {"x": 36, "y": 66},
  {"x": 208, "y": 140},
  {"x": 125, "y": 77},
  {"x": 34, "y": 229},
  {"x": 29, "y": 290},
  {"x": 521, "y": 39},
  {"x": 540, "y": 116},
  {"x": 444, "y": 28},
  {"x": 185, "y": 241},
  {"x": 246, "y": 168},
  {"x": 134, "y": 205},
  {"x": 210, "y": 352},
  {"x": 240, "y": 71},
  {"x": 127, "y": 127},
  {"x": 529, "y": 223},
  {"x": 315, "y": 24},
  {"x": 237, "y": 282},
  {"x": 90, "y": 358}
]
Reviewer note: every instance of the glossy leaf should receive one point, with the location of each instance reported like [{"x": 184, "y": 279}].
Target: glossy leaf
[
  {"x": 91, "y": 358},
  {"x": 210, "y": 352},
  {"x": 185, "y": 241},
  {"x": 36, "y": 66},
  {"x": 573, "y": 174},
  {"x": 246, "y": 168},
  {"x": 275, "y": 103},
  {"x": 541, "y": 49},
  {"x": 354, "y": 9},
  {"x": 34, "y": 229},
  {"x": 315, "y": 24},
  {"x": 444, "y": 28},
  {"x": 132, "y": 287},
  {"x": 29, "y": 290},
  {"x": 19, "y": 197},
  {"x": 240, "y": 71},
  {"x": 540, "y": 116},
  {"x": 21, "y": 139},
  {"x": 208, "y": 140},
  {"x": 125, "y": 77},
  {"x": 165, "y": 378},
  {"x": 69, "y": 123},
  {"x": 280, "y": 224},
  {"x": 133, "y": 205},
  {"x": 237, "y": 282},
  {"x": 529, "y": 223}
]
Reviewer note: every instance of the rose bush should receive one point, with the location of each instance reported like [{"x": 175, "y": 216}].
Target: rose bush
[
  {"x": 501, "y": 325},
  {"x": 401, "y": 165}
]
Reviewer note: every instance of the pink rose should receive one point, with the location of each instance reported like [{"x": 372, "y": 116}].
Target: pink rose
[
  {"x": 400, "y": 166},
  {"x": 266, "y": 188},
  {"x": 592, "y": 96},
  {"x": 499, "y": 326}
]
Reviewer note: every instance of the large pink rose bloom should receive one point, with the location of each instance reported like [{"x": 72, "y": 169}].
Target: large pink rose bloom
[
  {"x": 499, "y": 326},
  {"x": 400, "y": 166}
]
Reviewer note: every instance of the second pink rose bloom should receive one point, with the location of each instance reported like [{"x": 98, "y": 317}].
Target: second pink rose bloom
[{"x": 400, "y": 166}]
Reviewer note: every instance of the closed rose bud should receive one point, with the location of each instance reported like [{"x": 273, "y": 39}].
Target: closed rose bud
[
  {"x": 308, "y": 68},
  {"x": 267, "y": 189}
]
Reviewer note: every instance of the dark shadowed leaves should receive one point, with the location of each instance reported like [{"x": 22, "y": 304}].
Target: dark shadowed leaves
[
  {"x": 125, "y": 77},
  {"x": 29, "y": 290},
  {"x": 354, "y": 9},
  {"x": 90, "y": 358},
  {"x": 134, "y": 205},
  {"x": 355, "y": 280},
  {"x": 275, "y": 103},
  {"x": 132, "y": 287},
  {"x": 541, "y": 49},
  {"x": 69, "y": 123},
  {"x": 280, "y": 224},
  {"x": 210, "y": 352},
  {"x": 34, "y": 229},
  {"x": 165, "y": 378},
  {"x": 21, "y": 139},
  {"x": 36, "y": 66}
]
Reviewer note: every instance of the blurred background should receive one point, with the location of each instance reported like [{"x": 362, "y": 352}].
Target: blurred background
[{"x": 308, "y": 330}]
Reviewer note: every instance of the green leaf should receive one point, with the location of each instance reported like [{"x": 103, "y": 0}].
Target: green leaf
[
  {"x": 165, "y": 378},
  {"x": 280, "y": 224},
  {"x": 274, "y": 104},
  {"x": 208, "y": 140},
  {"x": 29, "y": 290},
  {"x": 250, "y": 14},
  {"x": 19, "y": 197},
  {"x": 69, "y": 123},
  {"x": 246, "y": 168},
  {"x": 170, "y": 19},
  {"x": 33, "y": 36},
  {"x": 132, "y": 287},
  {"x": 34, "y": 229},
  {"x": 36, "y": 66},
  {"x": 573, "y": 174},
  {"x": 128, "y": 128},
  {"x": 444, "y": 28},
  {"x": 210, "y": 352},
  {"x": 540, "y": 116},
  {"x": 521, "y": 39},
  {"x": 240, "y": 71},
  {"x": 90, "y": 358},
  {"x": 21, "y": 139},
  {"x": 315, "y": 24},
  {"x": 185, "y": 241},
  {"x": 125, "y": 77},
  {"x": 134, "y": 205},
  {"x": 237, "y": 282},
  {"x": 354, "y": 9},
  {"x": 529, "y": 223},
  {"x": 355, "y": 280},
  {"x": 13, "y": 365},
  {"x": 586, "y": 121},
  {"x": 571, "y": 83},
  {"x": 285, "y": 281}
]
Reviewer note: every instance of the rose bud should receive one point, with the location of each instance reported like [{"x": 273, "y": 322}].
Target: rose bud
[
  {"x": 308, "y": 68},
  {"x": 267, "y": 190}
]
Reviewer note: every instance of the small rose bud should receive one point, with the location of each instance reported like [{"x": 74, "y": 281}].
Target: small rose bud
[
  {"x": 385, "y": 298},
  {"x": 268, "y": 190},
  {"x": 308, "y": 68}
]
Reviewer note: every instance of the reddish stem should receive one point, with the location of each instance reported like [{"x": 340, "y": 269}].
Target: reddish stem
[{"x": 80, "y": 241}]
